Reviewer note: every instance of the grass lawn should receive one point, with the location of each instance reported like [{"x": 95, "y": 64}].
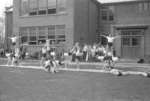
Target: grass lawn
[{"x": 18, "y": 84}]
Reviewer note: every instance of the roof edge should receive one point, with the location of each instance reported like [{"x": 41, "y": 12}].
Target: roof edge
[{"x": 122, "y": 2}]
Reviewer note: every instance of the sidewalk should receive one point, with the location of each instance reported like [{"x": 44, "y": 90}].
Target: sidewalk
[{"x": 89, "y": 65}]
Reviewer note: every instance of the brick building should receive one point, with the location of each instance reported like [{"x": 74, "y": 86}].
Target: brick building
[
  {"x": 70, "y": 21},
  {"x": 8, "y": 26},
  {"x": 131, "y": 21},
  {"x": 61, "y": 21}
]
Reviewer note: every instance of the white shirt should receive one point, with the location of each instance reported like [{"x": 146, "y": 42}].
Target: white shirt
[
  {"x": 53, "y": 53},
  {"x": 14, "y": 39},
  {"x": 48, "y": 48},
  {"x": 43, "y": 50},
  {"x": 85, "y": 48},
  {"x": 101, "y": 49},
  {"x": 47, "y": 63},
  {"x": 17, "y": 52},
  {"x": 110, "y": 39},
  {"x": 109, "y": 54}
]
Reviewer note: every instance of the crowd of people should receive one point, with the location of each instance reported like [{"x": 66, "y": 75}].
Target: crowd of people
[{"x": 50, "y": 58}]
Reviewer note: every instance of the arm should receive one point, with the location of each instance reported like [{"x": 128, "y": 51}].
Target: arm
[
  {"x": 116, "y": 37},
  {"x": 104, "y": 36}
]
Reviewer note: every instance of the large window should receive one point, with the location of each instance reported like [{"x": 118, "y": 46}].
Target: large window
[
  {"x": 144, "y": 6},
  {"x": 60, "y": 33},
  {"x": 51, "y": 6},
  {"x": 33, "y": 5},
  {"x": 32, "y": 36},
  {"x": 131, "y": 38},
  {"x": 39, "y": 35},
  {"x": 42, "y": 7},
  {"x": 51, "y": 33},
  {"x": 104, "y": 15},
  {"x": 24, "y": 8},
  {"x": 24, "y": 35},
  {"x": 61, "y": 5},
  {"x": 107, "y": 13},
  {"x": 42, "y": 35}
]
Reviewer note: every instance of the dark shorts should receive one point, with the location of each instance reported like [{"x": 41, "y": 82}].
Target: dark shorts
[
  {"x": 100, "y": 53},
  {"x": 107, "y": 58},
  {"x": 110, "y": 44},
  {"x": 44, "y": 55},
  {"x": 13, "y": 43}
]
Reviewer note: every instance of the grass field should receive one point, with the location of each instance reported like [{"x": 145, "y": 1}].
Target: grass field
[{"x": 18, "y": 84}]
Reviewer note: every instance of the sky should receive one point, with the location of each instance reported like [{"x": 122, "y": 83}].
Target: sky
[
  {"x": 105, "y": 1},
  {"x": 3, "y": 4}
]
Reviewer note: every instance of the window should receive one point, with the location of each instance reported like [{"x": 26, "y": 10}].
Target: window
[
  {"x": 107, "y": 13},
  {"x": 131, "y": 38},
  {"x": 144, "y": 6},
  {"x": 51, "y": 6},
  {"x": 140, "y": 7},
  {"x": 39, "y": 34},
  {"x": 24, "y": 8},
  {"x": 33, "y": 7},
  {"x": 32, "y": 36},
  {"x": 42, "y": 35},
  {"x": 135, "y": 41},
  {"x": 24, "y": 35},
  {"x": 111, "y": 16},
  {"x": 61, "y": 5},
  {"x": 60, "y": 33},
  {"x": 42, "y": 7},
  {"x": 126, "y": 41},
  {"x": 60, "y": 29},
  {"x": 104, "y": 15},
  {"x": 51, "y": 33}
]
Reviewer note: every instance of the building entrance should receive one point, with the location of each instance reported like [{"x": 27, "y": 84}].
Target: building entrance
[{"x": 131, "y": 43}]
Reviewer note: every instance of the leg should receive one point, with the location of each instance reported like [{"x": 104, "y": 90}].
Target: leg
[
  {"x": 42, "y": 61},
  {"x": 9, "y": 61}
]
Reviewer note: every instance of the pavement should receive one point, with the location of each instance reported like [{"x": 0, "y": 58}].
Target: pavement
[{"x": 125, "y": 68}]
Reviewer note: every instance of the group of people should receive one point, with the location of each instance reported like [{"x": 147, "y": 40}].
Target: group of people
[
  {"x": 49, "y": 56},
  {"x": 95, "y": 52},
  {"x": 49, "y": 59},
  {"x": 16, "y": 53}
]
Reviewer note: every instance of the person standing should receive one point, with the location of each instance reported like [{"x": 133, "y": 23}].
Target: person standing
[
  {"x": 110, "y": 40},
  {"x": 85, "y": 51}
]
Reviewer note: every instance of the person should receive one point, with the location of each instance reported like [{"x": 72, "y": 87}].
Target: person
[
  {"x": 100, "y": 52},
  {"x": 14, "y": 39},
  {"x": 43, "y": 53},
  {"x": 93, "y": 52},
  {"x": 23, "y": 52},
  {"x": 108, "y": 60},
  {"x": 15, "y": 59},
  {"x": 9, "y": 56},
  {"x": 74, "y": 50},
  {"x": 88, "y": 53},
  {"x": 85, "y": 51},
  {"x": 51, "y": 63},
  {"x": 110, "y": 38}
]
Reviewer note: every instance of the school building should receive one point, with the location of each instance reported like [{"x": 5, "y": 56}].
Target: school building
[
  {"x": 61, "y": 21},
  {"x": 68, "y": 21},
  {"x": 131, "y": 21},
  {"x": 8, "y": 26}
]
